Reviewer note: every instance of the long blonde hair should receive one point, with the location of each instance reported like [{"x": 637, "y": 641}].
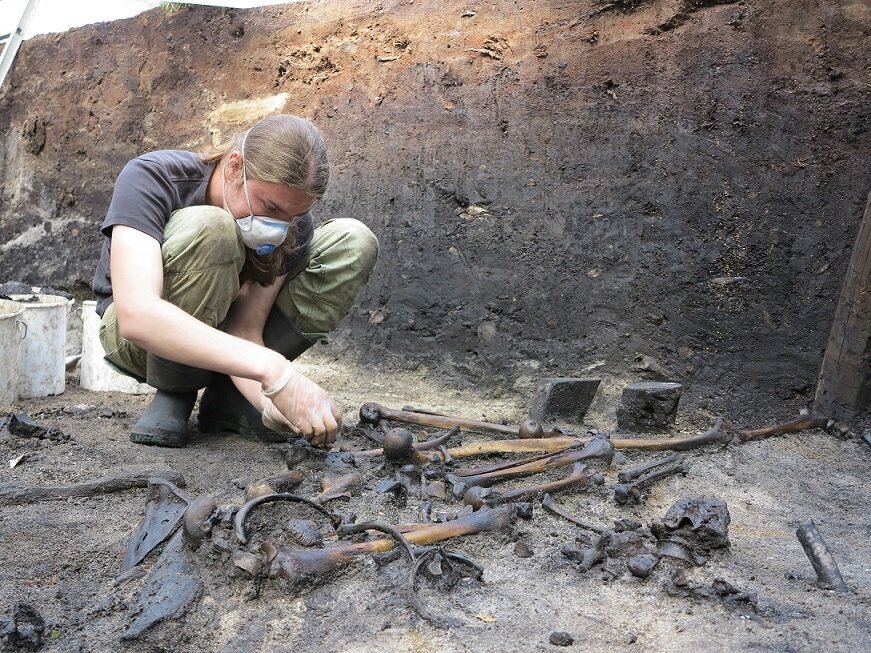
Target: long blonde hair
[{"x": 280, "y": 149}]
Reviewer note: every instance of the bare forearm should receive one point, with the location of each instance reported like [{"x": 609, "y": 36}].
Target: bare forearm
[{"x": 168, "y": 331}]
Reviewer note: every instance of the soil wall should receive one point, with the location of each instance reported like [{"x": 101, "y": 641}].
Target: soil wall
[{"x": 643, "y": 188}]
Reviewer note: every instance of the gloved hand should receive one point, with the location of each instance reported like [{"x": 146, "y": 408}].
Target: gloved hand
[
  {"x": 274, "y": 420},
  {"x": 306, "y": 407}
]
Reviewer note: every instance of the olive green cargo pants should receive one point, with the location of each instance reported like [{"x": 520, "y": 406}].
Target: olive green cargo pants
[{"x": 203, "y": 255}]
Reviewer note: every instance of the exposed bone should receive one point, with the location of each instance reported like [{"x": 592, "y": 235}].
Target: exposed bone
[
  {"x": 300, "y": 566},
  {"x": 580, "y": 476},
  {"x": 588, "y": 555},
  {"x": 13, "y": 493},
  {"x": 249, "y": 562},
  {"x": 399, "y": 447},
  {"x": 821, "y": 558},
  {"x": 596, "y": 448},
  {"x": 198, "y": 521},
  {"x": 794, "y": 426},
  {"x": 334, "y": 487},
  {"x": 625, "y": 476},
  {"x": 170, "y": 590},
  {"x": 305, "y": 532},
  {"x": 436, "y": 441},
  {"x": 642, "y": 565},
  {"x": 623, "y": 492},
  {"x": 512, "y": 463},
  {"x": 249, "y": 506},
  {"x": 554, "y": 508},
  {"x": 372, "y": 413},
  {"x": 163, "y": 514},
  {"x": 717, "y": 433},
  {"x": 423, "y": 411},
  {"x": 383, "y": 527},
  {"x": 275, "y": 484},
  {"x": 529, "y": 428}
]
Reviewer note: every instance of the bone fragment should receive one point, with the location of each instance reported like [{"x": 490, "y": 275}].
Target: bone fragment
[
  {"x": 170, "y": 590},
  {"x": 14, "y": 493},
  {"x": 625, "y": 476},
  {"x": 163, "y": 514},
  {"x": 439, "y": 562},
  {"x": 305, "y": 532},
  {"x": 373, "y": 412},
  {"x": 554, "y": 508},
  {"x": 794, "y": 426},
  {"x": 821, "y": 558},
  {"x": 198, "y": 520},
  {"x": 512, "y": 463},
  {"x": 280, "y": 483},
  {"x": 580, "y": 476},
  {"x": 623, "y": 492},
  {"x": 333, "y": 487}
]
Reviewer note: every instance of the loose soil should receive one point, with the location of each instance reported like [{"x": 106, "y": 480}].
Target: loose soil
[{"x": 62, "y": 557}]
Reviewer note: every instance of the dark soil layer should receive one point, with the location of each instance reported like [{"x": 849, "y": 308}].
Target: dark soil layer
[{"x": 671, "y": 187}]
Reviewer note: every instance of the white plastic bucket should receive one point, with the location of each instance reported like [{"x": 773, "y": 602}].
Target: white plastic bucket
[
  {"x": 12, "y": 330},
  {"x": 42, "y": 358},
  {"x": 95, "y": 373}
]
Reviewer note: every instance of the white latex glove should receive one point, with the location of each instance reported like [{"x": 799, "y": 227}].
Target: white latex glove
[
  {"x": 306, "y": 406},
  {"x": 274, "y": 420}
]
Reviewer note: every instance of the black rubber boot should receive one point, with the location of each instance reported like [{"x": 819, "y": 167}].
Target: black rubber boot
[
  {"x": 164, "y": 422},
  {"x": 222, "y": 406}
]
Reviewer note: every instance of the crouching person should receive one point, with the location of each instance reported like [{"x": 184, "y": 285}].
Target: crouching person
[{"x": 212, "y": 275}]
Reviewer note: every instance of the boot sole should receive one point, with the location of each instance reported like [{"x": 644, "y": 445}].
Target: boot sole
[{"x": 158, "y": 438}]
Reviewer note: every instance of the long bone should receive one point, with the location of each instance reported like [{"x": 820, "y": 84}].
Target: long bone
[
  {"x": 580, "y": 476},
  {"x": 597, "y": 448},
  {"x": 12, "y": 493},
  {"x": 301, "y": 566},
  {"x": 372, "y": 413},
  {"x": 513, "y": 463},
  {"x": 793, "y": 426},
  {"x": 717, "y": 433}
]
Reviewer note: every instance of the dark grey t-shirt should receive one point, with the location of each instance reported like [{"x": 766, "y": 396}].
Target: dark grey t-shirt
[{"x": 147, "y": 192}]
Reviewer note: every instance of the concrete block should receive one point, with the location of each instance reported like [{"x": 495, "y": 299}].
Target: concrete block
[
  {"x": 563, "y": 399},
  {"x": 648, "y": 406}
]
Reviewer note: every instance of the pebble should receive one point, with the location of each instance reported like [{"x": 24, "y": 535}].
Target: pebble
[{"x": 561, "y": 638}]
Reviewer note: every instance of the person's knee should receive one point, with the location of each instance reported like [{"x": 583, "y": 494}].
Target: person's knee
[
  {"x": 361, "y": 243},
  {"x": 204, "y": 233}
]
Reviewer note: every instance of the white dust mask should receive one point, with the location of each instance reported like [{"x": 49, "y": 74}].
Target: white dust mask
[{"x": 259, "y": 233}]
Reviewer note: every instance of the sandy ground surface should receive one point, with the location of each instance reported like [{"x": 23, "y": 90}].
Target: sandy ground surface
[{"x": 62, "y": 557}]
